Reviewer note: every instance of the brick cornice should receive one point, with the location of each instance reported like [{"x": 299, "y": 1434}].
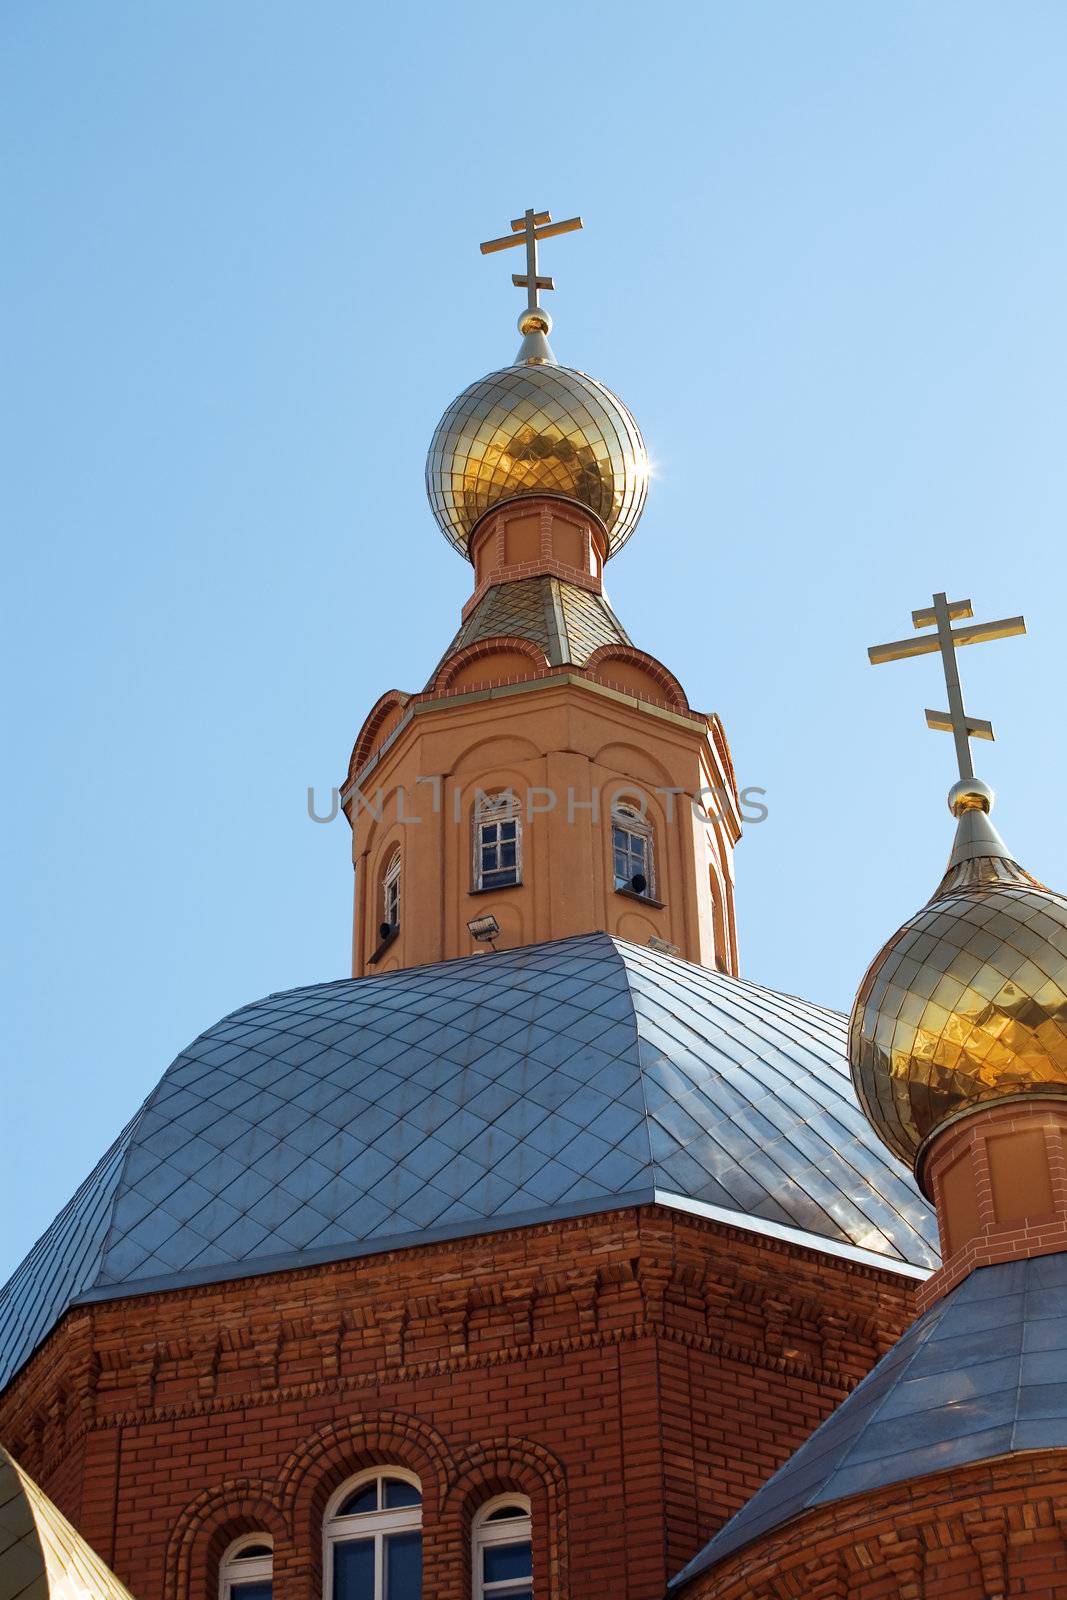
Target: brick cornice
[
  {"x": 748, "y": 1354},
  {"x": 811, "y": 1327}
]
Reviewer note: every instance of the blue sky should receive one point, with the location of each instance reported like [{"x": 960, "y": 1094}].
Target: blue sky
[{"x": 824, "y": 263}]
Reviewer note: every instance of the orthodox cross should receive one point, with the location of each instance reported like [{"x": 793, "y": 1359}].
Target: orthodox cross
[
  {"x": 941, "y": 615},
  {"x": 528, "y": 230}
]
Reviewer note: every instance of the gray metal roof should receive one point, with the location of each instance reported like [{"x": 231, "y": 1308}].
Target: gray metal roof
[
  {"x": 489, "y": 1092},
  {"x": 984, "y": 1372}
]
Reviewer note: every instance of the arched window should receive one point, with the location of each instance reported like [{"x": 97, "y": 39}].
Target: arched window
[
  {"x": 497, "y": 841},
  {"x": 501, "y": 1549},
  {"x": 631, "y": 850},
  {"x": 247, "y": 1568},
  {"x": 373, "y": 1538},
  {"x": 391, "y": 893}
]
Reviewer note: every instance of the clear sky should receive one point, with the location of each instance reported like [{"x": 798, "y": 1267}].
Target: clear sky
[{"x": 824, "y": 263}]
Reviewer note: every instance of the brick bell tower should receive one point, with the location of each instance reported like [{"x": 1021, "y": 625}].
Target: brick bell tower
[{"x": 551, "y": 777}]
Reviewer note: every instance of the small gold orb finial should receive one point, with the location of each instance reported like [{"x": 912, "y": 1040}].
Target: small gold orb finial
[
  {"x": 970, "y": 794},
  {"x": 534, "y": 319}
]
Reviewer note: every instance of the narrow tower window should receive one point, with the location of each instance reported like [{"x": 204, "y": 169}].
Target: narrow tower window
[
  {"x": 631, "y": 847},
  {"x": 497, "y": 841},
  {"x": 373, "y": 1538},
  {"x": 391, "y": 892},
  {"x": 502, "y": 1550},
  {"x": 246, "y": 1570}
]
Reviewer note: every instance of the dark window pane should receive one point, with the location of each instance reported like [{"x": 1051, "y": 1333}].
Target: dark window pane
[
  {"x": 403, "y": 1566},
  {"x": 499, "y": 878},
  {"x": 507, "y": 830},
  {"x": 251, "y": 1591},
  {"x": 251, "y": 1551},
  {"x": 505, "y": 1512},
  {"x": 506, "y": 1561},
  {"x": 488, "y": 859},
  {"x": 637, "y": 849},
  {"x": 364, "y": 1499},
  {"x": 507, "y": 855},
  {"x": 399, "y": 1493},
  {"x": 353, "y": 1570}
]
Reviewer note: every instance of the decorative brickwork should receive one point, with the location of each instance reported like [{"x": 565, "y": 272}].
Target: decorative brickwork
[
  {"x": 636, "y": 1374},
  {"x": 216, "y": 1516},
  {"x": 384, "y": 716},
  {"x": 501, "y": 647},
  {"x": 537, "y": 535},
  {"x": 636, "y": 672}
]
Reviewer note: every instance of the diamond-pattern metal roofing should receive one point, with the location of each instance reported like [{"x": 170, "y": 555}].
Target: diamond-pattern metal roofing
[
  {"x": 981, "y": 1374},
  {"x": 497, "y": 1090},
  {"x": 568, "y": 623}
]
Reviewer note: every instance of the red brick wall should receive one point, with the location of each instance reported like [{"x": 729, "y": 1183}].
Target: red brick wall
[
  {"x": 980, "y": 1225},
  {"x": 987, "y": 1532},
  {"x": 638, "y": 1374}
]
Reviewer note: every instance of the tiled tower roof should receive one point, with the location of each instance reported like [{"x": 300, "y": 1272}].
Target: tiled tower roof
[
  {"x": 568, "y": 623},
  {"x": 554, "y": 1080}
]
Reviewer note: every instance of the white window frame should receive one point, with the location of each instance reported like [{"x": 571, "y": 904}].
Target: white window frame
[
  {"x": 251, "y": 1569},
  {"x": 489, "y": 811},
  {"x": 376, "y": 1525},
  {"x": 513, "y": 1530},
  {"x": 391, "y": 891},
  {"x": 627, "y": 818}
]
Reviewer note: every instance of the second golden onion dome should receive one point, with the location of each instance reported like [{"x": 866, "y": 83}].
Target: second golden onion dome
[{"x": 967, "y": 1003}]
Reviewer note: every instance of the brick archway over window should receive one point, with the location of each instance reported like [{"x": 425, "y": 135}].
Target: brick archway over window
[
  {"x": 497, "y": 1466},
  {"x": 384, "y": 1439},
  {"x": 319, "y": 1465},
  {"x": 209, "y": 1523}
]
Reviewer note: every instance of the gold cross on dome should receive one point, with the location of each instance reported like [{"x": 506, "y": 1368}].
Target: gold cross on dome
[
  {"x": 941, "y": 615},
  {"x": 529, "y": 229}
]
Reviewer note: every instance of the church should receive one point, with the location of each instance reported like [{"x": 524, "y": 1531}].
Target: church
[{"x": 546, "y": 1256}]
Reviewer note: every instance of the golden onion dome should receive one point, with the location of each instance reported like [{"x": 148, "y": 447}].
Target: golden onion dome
[
  {"x": 967, "y": 1003},
  {"x": 537, "y": 428}
]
